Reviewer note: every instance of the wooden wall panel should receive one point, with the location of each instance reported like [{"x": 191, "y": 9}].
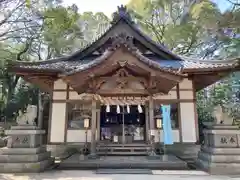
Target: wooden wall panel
[
  {"x": 58, "y": 95},
  {"x": 186, "y": 94},
  {"x": 171, "y": 95},
  {"x": 186, "y": 84},
  {"x": 58, "y": 122},
  {"x": 59, "y": 85}
]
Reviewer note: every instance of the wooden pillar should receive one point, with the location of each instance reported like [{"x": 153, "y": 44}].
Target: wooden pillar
[
  {"x": 98, "y": 124},
  {"x": 151, "y": 114},
  {"x": 147, "y": 122},
  {"x": 40, "y": 111},
  {"x": 93, "y": 127}
]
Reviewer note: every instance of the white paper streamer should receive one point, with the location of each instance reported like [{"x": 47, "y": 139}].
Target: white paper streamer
[
  {"x": 118, "y": 109},
  {"x": 128, "y": 109},
  {"x": 108, "y": 108},
  {"x": 140, "y": 109}
]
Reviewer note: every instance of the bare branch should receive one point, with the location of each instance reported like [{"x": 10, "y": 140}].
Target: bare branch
[
  {"x": 234, "y": 3},
  {"x": 27, "y": 46},
  {"x": 11, "y": 13}
]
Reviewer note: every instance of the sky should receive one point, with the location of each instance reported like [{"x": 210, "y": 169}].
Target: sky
[{"x": 110, "y": 6}]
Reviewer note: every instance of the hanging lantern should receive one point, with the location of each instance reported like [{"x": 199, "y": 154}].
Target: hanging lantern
[
  {"x": 118, "y": 109},
  {"x": 86, "y": 119},
  {"x": 108, "y": 108},
  {"x": 128, "y": 109},
  {"x": 140, "y": 109}
]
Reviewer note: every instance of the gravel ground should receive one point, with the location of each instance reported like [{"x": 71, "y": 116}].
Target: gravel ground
[{"x": 91, "y": 175}]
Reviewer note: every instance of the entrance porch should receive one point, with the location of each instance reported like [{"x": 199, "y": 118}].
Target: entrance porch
[
  {"x": 120, "y": 125},
  {"x": 123, "y": 124}
]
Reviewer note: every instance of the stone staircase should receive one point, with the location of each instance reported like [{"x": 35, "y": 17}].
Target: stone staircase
[{"x": 123, "y": 149}]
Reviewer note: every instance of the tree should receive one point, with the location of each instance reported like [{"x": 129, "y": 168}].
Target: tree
[
  {"x": 199, "y": 29},
  {"x": 38, "y": 31}
]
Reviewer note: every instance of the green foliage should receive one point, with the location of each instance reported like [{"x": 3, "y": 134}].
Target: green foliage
[
  {"x": 39, "y": 30},
  {"x": 28, "y": 3},
  {"x": 204, "y": 107},
  {"x": 60, "y": 29},
  {"x": 194, "y": 28}
]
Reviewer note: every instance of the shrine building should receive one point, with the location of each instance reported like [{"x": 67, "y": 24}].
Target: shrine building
[{"x": 113, "y": 88}]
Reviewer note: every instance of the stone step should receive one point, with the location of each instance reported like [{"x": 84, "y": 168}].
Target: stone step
[
  {"x": 23, "y": 167},
  {"x": 123, "y": 162},
  {"x": 24, "y": 158},
  {"x": 123, "y": 171},
  {"x": 22, "y": 151},
  {"x": 219, "y": 158}
]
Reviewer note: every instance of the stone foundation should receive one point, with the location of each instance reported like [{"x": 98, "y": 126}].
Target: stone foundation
[
  {"x": 63, "y": 150},
  {"x": 220, "y": 153},
  {"x": 24, "y": 152}
]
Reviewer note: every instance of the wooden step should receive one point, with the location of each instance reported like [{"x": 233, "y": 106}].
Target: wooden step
[
  {"x": 126, "y": 149},
  {"x": 123, "y": 145},
  {"x": 120, "y": 149},
  {"x": 122, "y": 153}
]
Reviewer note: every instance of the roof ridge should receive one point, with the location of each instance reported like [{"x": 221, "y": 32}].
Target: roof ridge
[
  {"x": 39, "y": 62},
  {"x": 134, "y": 51}
]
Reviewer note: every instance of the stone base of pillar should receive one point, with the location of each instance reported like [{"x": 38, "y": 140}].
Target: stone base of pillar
[
  {"x": 92, "y": 156},
  {"x": 152, "y": 156},
  {"x": 220, "y": 164},
  {"x": 24, "y": 151},
  {"x": 220, "y": 153}
]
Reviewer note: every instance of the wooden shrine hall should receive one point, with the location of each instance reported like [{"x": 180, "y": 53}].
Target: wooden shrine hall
[{"x": 112, "y": 89}]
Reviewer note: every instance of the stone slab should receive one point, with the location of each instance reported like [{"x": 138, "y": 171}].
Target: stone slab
[
  {"x": 180, "y": 172},
  {"x": 222, "y": 126},
  {"x": 219, "y": 168},
  {"x": 25, "y": 167},
  {"x": 123, "y": 171},
  {"x": 22, "y": 151},
  {"x": 24, "y": 132},
  {"x": 24, "y": 158},
  {"x": 25, "y": 141},
  {"x": 223, "y": 140},
  {"x": 221, "y": 151},
  {"x": 122, "y": 162},
  {"x": 221, "y": 131},
  {"x": 219, "y": 158},
  {"x": 26, "y": 127}
]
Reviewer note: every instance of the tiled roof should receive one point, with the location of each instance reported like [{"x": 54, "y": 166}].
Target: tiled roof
[
  {"x": 74, "y": 66},
  {"x": 70, "y": 67},
  {"x": 190, "y": 64}
]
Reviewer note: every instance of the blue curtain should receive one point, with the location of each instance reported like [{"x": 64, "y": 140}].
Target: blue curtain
[{"x": 167, "y": 128}]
